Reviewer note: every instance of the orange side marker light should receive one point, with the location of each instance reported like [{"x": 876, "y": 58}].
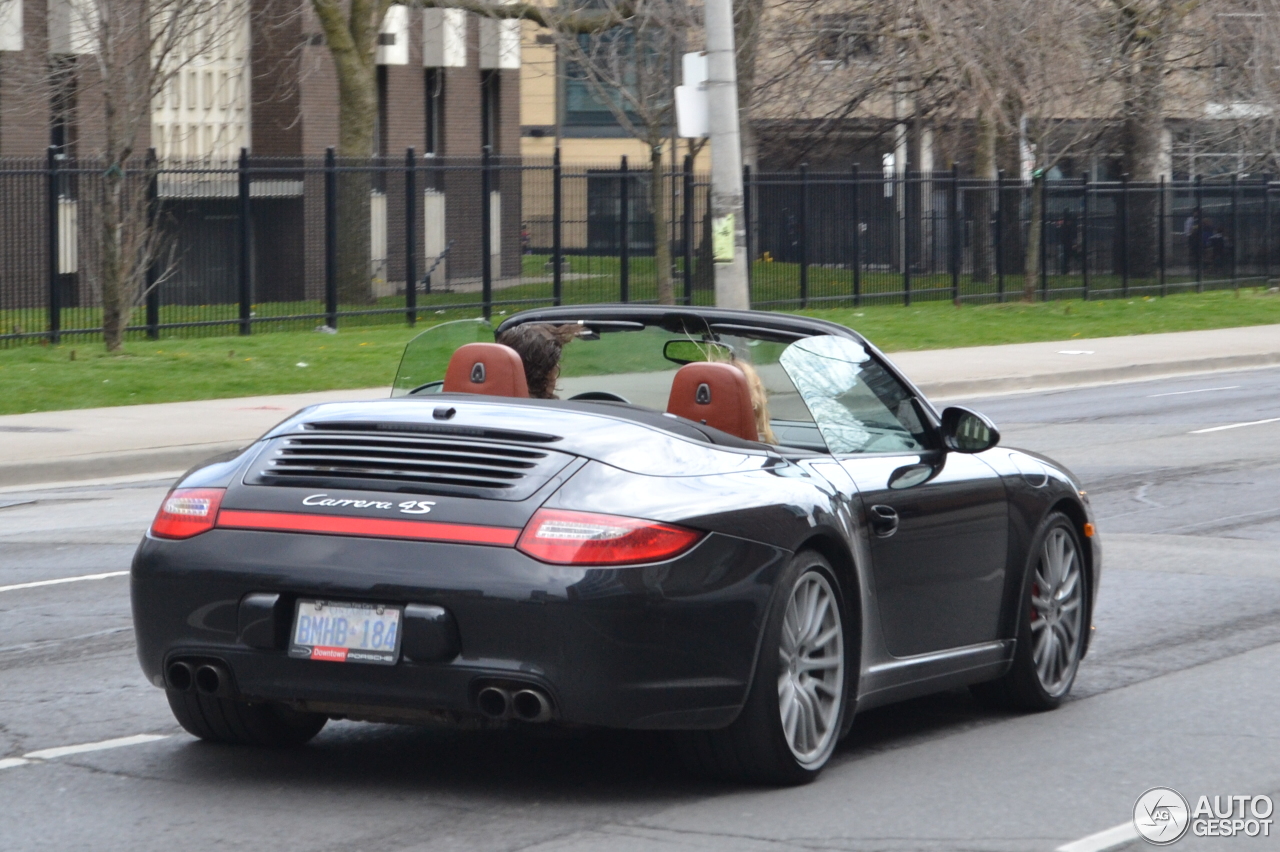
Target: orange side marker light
[{"x": 1088, "y": 530}]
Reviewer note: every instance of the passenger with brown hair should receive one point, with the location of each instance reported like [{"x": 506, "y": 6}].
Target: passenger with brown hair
[{"x": 539, "y": 346}]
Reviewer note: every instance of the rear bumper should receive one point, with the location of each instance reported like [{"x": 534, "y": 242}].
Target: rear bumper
[{"x": 667, "y": 645}]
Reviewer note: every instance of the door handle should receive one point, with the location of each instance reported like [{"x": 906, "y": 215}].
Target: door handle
[{"x": 884, "y": 521}]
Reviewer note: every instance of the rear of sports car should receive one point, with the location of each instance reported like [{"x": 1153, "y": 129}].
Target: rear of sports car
[{"x": 431, "y": 565}]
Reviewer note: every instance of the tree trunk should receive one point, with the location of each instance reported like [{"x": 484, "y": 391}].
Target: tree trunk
[
  {"x": 1031, "y": 268},
  {"x": 983, "y": 202},
  {"x": 117, "y": 299},
  {"x": 661, "y": 239},
  {"x": 1140, "y": 134},
  {"x": 352, "y": 43}
]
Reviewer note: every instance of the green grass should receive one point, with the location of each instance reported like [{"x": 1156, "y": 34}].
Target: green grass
[{"x": 43, "y": 378}]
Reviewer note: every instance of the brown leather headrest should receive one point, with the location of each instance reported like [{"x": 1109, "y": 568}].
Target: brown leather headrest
[
  {"x": 716, "y": 394},
  {"x": 488, "y": 368}
]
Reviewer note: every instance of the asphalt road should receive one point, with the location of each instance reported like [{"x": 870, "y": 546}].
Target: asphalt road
[{"x": 1179, "y": 690}]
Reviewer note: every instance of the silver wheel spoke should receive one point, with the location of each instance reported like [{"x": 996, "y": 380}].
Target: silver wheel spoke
[
  {"x": 811, "y": 668},
  {"x": 1057, "y": 601}
]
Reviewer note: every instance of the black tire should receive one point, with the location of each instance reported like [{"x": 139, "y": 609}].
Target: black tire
[
  {"x": 224, "y": 720},
  {"x": 1022, "y": 688},
  {"x": 755, "y": 748}
]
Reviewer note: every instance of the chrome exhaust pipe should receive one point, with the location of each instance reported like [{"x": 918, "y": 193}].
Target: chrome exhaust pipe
[
  {"x": 531, "y": 705},
  {"x": 212, "y": 679},
  {"x": 494, "y": 702},
  {"x": 180, "y": 676}
]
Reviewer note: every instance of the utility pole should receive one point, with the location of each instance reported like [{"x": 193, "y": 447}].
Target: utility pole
[{"x": 728, "y": 222}]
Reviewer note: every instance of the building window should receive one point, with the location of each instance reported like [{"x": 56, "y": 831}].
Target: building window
[
  {"x": 490, "y": 117},
  {"x": 433, "y": 109},
  {"x": 604, "y": 212},
  {"x": 840, "y": 40},
  {"x": 587, "y": 101}
]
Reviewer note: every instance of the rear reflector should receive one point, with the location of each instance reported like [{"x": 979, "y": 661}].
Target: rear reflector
[
  {"x": 187, "y": 512},
  {"x": 371, "y": 527},
  {"x": 585, "y": 538}
]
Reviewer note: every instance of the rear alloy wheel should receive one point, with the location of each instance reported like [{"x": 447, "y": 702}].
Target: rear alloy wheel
[
  {"x": 1051, "y": 624},
  {"x": 231, "y": 722},
  {"x": 789, "y": 726}
]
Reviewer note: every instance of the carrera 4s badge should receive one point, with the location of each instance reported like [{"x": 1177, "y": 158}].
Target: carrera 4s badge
[{"x": 408, "y": 507}]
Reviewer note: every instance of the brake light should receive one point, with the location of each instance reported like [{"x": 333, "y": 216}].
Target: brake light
[
  {"x": 187, "y": 512},
  {"x": 585, "y": 538}
]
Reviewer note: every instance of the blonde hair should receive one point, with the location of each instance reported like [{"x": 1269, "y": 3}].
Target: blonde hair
[{"x": 759, "y": 400}]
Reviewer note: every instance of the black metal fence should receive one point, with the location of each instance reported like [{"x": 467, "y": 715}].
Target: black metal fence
[{"x": 268, "y": 243}]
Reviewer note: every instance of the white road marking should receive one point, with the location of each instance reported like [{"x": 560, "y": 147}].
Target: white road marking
[
  {"x": 1200, "y": 390},
  {"x": 65, "y": 751},
  {"x": 1234, "y": 426},
  {"x": 1111, "y": 838},
  {"x": 35, "y": 584},
  {"x": 10, "y": 762}
]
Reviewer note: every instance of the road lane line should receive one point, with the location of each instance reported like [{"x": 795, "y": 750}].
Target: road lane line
[
  {"x": 38, "y": 583},
  {"x": 119, "y": 742},
  {"x": 1110, "y": 839},
  {"x": 1234, "y": 426},
  {"x": 1200, "y": 390},
  {"x": 10, "y": 762}
]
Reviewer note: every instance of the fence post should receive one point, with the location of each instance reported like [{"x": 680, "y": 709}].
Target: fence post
[
  {"x": 1199, "y": 229},
  {"x": 1084, "y": 234},
  {"x": 686, "y": 225},
  {"x": 999, "y": 238},
  {"x": 746, "y": 222},
  {"x": 1124, "y": 234},
  {"x": 1044, "y": 236},
  {"x": 330, "y": 238},
  {"x": 953, "y": 219},
  {"x": 624, "y": 232},
  {"x": 51, "y": 248},
  {"x": 486, "y": 228},
  {"x": 411, "y": 236},
  {"x": 557, "y": 215},
  {"x": 152, "y": 247},
  {"x": 904, "y": 229},
  {"x": 1266, "y": 239},
  {"x": 1235, "y": 227},
  {"x": 1160, "y": 233},
  {"x": 246, "y": 249},
  {"x": 857, "y": 243},
  {"x": 804, "y": 235}
]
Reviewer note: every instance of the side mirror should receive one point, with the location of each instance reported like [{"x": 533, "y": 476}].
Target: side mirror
[{"x": 966, "y": 431}]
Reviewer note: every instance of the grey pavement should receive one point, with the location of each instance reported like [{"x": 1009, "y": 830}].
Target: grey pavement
[
  {"x": 1179, "y": 689},
  {"x": 87, "y": 444}
]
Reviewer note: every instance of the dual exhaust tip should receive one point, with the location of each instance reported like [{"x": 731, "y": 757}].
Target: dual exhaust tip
[
  {"x": 204, "y": 678},
  {"x": 527, "y": 704}
]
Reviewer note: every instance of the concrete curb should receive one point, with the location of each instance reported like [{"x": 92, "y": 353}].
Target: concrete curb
[
  {"x": 105, "y": 465},
  {"x": 1100, "y": 376},
  {"x": 168, "y": 459}
]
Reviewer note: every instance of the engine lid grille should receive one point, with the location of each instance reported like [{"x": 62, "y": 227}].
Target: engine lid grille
[{"x": 408, "y": 460}]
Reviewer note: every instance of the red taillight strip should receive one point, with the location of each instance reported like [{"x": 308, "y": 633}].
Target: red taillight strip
[{"x": 374, "y": 527}]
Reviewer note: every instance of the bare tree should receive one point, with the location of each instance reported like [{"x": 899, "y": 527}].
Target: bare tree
[{"x": 127, "y": 53}]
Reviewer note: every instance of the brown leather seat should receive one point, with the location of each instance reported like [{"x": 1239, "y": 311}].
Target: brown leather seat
[
  {"x": 715, "y": 394},
  {"x": 488, "y": 368}
]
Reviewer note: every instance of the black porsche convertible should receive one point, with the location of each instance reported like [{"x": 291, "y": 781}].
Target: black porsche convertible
[{"x": 739, "y": 526}]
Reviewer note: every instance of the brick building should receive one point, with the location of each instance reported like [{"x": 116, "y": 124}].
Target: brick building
[{"x": 448, "y": 84}]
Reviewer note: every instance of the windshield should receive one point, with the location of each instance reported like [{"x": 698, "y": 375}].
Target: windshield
[{"x": 623, "y": 364}]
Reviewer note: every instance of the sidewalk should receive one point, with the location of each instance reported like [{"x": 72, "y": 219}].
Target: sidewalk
[{"x": 95, "y": 443}]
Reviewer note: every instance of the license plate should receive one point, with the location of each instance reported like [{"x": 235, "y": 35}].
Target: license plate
[{"x": 340, "y": 632}]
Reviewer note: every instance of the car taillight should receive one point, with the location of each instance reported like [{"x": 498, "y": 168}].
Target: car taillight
[
  {"x": 585, "y": 538},
  {"x": 187, "y": 512}
]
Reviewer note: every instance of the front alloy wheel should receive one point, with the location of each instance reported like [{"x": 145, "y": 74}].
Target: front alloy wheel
[{"x": 1051, "y": 621}]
